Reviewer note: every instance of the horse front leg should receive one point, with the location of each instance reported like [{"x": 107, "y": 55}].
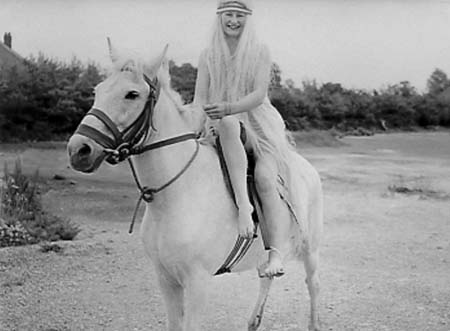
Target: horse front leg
[
  {"x": 256, "y": 317},
  {"x": 173, "y": 294},
  {"x": 195, "y": 298}
]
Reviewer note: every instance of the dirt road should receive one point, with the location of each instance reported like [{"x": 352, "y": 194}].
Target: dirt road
[{"x": 385, "y": 259}]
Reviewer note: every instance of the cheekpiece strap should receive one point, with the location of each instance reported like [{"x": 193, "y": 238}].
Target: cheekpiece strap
[
  {"x": 233, "y": 6},
  {"x": 122, "y": 144}
]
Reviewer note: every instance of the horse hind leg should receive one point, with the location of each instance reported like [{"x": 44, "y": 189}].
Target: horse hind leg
[
  {"x": 256, "y": 317},
  {"x": 312, "y": 282}
]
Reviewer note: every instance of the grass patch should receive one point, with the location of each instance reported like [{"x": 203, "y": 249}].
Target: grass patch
[
  {"x": 19, "y": 147},
  {"x": 22, "y": 217},
  {"x": 317, "y": 138},
  {"x": 423, "y": 193}
]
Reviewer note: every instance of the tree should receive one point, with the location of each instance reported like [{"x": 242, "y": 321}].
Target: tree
[
  {"x": 438, "y": 82},
  {"x": 275, "y": 77},
  {"x": 46, "y": 102},
  {"x": 183, "y": 80}
]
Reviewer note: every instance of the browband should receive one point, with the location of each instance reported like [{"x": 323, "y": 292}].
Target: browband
[{"x": 233, "y": 6}]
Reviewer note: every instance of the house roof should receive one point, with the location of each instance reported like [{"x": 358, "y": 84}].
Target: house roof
[{"x": 9, "y": 57}]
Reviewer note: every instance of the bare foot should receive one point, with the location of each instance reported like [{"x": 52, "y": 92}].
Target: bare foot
[
  {"x": 274, "y": 267},
  {"x": 246, "y": 226}
]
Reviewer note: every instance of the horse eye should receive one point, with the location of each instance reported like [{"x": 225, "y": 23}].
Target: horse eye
[{"x": 132, "y": 95}]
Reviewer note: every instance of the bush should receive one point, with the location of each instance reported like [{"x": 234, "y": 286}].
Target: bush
[
  {"x": 13, "y": 235},
  {"x": 46, "y": 100},
  {"x": 23, "y": 220}
]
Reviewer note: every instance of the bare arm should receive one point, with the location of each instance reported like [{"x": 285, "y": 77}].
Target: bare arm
[
  {"x": 251, "y": 100},
  {"x": 262, "y": 80}
]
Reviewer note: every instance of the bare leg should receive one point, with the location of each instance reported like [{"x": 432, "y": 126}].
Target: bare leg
[
  {"x": 256, "y": 317},
  {"x": 312, "y": 281},
  {"x": 236, "y": 159},
  {"x": 174, "y": 299},
  {"x": 277, "y": 225}
]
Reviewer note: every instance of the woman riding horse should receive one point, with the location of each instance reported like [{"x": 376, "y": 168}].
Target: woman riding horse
[
  {"x": 190, "y": 220},
  {"x": 232, "y": 84}
]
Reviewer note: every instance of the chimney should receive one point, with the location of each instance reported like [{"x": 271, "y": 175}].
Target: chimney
[{"x": 7, "y": 39}]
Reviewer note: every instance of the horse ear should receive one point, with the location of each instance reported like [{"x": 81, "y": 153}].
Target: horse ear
[
  {"x": 157, "y": 63},
  {"x": 112, "y": 51}
]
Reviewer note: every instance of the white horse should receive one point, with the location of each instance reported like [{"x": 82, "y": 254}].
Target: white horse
[{"x": 190, "y": 226}]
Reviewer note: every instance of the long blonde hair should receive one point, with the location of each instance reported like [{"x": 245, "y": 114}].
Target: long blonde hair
[{"x": 232, "y": 76}]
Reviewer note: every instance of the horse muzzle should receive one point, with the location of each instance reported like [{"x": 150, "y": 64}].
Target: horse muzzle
[{"x": 84, "y": 154}]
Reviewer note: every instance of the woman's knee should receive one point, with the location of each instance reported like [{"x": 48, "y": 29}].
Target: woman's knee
[
  {"x": 265, "y": 177},
  {"x": 229, "y": 125}
]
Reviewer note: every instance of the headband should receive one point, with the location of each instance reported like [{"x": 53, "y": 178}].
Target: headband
[{"x": 233, "y": 6}]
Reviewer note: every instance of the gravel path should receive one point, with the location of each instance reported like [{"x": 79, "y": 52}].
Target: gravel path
[{"x": 385, "y": 259}]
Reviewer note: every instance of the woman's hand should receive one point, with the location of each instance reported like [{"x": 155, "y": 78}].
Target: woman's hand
[{"x": 217, "y": 110}]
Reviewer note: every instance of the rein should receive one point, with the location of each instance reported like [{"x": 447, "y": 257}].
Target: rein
[
  {"x": 131, "y": 142},
  {"x": 147, "y": 193}
]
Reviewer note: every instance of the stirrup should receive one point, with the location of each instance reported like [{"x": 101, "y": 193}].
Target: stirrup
[{"x": 263, "y": 267}]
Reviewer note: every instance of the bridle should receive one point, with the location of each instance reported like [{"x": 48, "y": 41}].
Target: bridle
[
  {"x": 131, "y": 141},
  {"x": 124, "y": 143}
]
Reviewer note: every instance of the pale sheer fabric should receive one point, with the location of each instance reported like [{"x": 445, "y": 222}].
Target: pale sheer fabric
[{"x": 232, "y": 77}]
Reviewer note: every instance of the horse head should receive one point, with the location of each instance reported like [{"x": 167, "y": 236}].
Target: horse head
[{"x": 121, "y": 114}]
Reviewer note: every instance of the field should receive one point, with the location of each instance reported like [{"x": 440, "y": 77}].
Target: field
[{"x": 385, "y": 261}]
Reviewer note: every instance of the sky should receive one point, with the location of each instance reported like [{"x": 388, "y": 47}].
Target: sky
[{"x": 362, "y": 44}]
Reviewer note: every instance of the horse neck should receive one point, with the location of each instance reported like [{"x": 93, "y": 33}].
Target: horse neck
[
  {"x": 167, "y": 118},
  {"x": 158, "y": 166}
]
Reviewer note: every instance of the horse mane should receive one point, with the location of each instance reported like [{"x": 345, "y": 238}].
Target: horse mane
[{"x": 131, "y": 61}]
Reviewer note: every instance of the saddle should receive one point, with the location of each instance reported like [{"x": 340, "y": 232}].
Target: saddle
[{"x": 242, "y": 245}]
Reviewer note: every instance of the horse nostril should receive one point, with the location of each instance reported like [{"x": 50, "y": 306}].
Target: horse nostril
[{"x": 85, "y": 150}]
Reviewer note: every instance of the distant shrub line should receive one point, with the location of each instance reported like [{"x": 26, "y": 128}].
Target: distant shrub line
[{"x": 48, "y": 100}]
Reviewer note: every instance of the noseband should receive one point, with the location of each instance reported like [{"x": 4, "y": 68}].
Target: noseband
[
  {"x": 125, "y": 143},
  {"x": 131, "y": 141}
]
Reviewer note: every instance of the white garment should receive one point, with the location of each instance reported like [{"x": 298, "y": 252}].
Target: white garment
[{"x": 265, "y": 126}]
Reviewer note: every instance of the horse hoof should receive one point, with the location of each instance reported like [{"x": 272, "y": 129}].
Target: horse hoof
[{"x": 254, "y": 325}]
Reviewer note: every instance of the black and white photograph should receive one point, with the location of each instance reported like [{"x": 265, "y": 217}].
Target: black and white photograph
[{"x": 222, "y": 165}]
